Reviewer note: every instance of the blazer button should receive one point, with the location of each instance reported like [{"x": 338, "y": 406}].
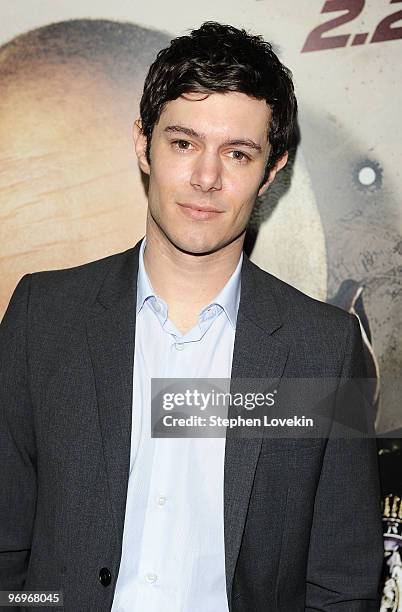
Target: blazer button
[{"x": 105, "y": 576}]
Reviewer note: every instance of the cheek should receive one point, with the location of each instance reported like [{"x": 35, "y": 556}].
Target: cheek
[
  {"x": 170, "y": 176},
  {"x": 241, "y": 195}
]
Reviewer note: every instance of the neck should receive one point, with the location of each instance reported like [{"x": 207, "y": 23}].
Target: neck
[{"x": 187, "y": 281}]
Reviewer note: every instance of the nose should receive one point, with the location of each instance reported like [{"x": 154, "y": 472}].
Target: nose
[{"x": 206, "y": 175}]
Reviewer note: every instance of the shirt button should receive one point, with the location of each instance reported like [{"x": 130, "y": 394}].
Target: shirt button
[
  {"x": 161, "y": 500},
  {"x": 151, "y": 578},
  {"x": 157, "y": 307},
  {"x": 179, "y": 346}
]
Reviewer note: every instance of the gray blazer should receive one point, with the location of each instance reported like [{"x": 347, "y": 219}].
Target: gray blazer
[{"x": 301, "y": 517}]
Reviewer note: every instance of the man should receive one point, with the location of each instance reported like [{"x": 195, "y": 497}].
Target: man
[
  {"x": 72, "y": 78},
  {"x": 96, "y": 507}
]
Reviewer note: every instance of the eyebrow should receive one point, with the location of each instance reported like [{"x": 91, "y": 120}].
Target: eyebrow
[{"x": 243, "y": 142}]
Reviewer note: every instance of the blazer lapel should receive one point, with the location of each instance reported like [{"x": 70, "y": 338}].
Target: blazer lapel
[
  {"x": 111, "y": 334},
  {"x": 257, "y": 354}
]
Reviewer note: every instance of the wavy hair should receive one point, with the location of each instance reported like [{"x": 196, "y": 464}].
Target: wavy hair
[{"x": 218, "y": 58}]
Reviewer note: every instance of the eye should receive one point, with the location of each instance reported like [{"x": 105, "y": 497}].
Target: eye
[
  {"x": 181, "y": 145},
  {"x": 239, "y": 156}
]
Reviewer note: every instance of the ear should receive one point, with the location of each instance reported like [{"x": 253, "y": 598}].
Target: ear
[
  {"x": 140, "y": 143},
  {"x": 280, "y": 163}
]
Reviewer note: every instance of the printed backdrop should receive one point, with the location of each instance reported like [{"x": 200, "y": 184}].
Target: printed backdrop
[{"x": 331, "y": 224}]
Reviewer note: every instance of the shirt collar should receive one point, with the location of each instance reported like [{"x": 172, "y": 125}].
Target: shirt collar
[
  {"x": 228, "y": 298},
  {"x": 144, "y": 287}
]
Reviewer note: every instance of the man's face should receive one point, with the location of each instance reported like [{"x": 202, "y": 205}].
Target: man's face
[{"x": 208, "y": 156}]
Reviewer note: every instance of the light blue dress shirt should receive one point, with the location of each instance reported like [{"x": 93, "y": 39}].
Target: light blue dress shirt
[{"x": 173, "y": 557}]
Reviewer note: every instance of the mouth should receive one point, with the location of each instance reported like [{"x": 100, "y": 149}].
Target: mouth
[{"x": 197, "y": 211}]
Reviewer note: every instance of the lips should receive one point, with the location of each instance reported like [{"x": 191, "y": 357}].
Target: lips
[
  {"x": 199, "y": 212},
  {"x": 200, "y": 207}
]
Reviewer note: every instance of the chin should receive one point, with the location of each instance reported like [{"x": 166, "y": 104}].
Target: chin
[
  {"x": 196, "y": 247},
  {"x": 196, "y": 250}
]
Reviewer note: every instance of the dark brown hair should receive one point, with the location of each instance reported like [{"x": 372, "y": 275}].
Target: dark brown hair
[{"x": 221, "y": 58}]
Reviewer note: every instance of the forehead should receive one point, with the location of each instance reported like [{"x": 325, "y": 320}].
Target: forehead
[{"x": 219, "y": 115}]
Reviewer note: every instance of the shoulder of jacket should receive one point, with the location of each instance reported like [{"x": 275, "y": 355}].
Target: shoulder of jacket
[
  {"x": 76, "y": 286},
  {"x": 293, "y": 303}
]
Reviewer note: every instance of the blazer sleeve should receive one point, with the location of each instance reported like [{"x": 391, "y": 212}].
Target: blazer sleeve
[
  {"x": 17, "y": 444},
  {"x": 346, "y": 544}
]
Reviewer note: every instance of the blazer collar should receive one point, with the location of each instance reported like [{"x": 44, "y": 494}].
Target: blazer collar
[
  {"x": 257, "y": 301},
  {"x": 119, "y": 287}
]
